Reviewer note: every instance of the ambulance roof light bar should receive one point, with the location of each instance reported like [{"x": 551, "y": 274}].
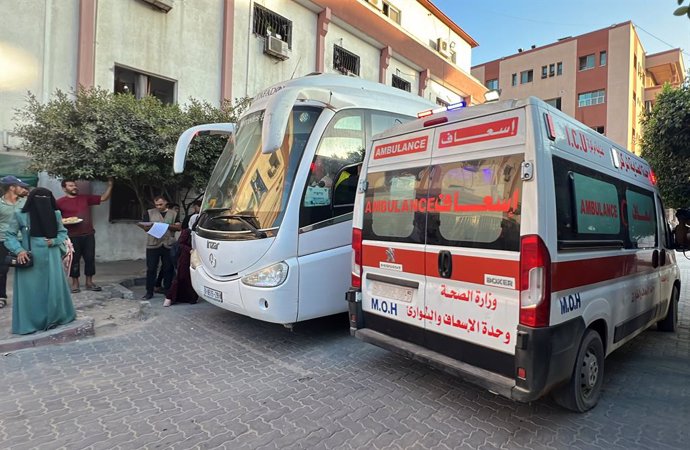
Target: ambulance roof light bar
[{"x": 452, "y": 106}]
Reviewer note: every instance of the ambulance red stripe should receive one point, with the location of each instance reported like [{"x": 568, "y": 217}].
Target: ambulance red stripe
[{"x": 471, "y": 269}]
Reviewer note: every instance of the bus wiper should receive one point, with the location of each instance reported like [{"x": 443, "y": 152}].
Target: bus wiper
[{"x": 243, "y": 218}]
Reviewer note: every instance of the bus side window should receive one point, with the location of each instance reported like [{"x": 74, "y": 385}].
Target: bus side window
[{"x": 341, "y": 145}]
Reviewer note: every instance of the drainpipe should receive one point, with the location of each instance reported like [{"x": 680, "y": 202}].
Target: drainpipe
[
  {"x": 321, "y": 31},
  {"x": 424, "y": 76},
  {"x": 384, "y": 62}
]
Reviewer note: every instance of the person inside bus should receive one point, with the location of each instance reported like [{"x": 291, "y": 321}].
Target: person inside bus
[{"x": 319, "y": 174}]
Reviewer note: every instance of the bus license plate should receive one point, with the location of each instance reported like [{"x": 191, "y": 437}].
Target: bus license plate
[{"x": 216, "y": 296}]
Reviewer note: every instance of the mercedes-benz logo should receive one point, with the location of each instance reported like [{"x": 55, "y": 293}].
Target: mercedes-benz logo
[{"x": 212, "y": 260}]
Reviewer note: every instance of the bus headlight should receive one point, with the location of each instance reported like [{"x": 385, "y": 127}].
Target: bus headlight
[
  {"x": 270, "y": 276},
  {"x": 194, "y": 260}
]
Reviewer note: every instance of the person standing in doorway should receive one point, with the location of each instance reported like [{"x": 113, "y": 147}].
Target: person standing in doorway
[
  {"x": 15, "y": 191},
  {"x": 74, "y": 206},
  {"x": 158, "y": 249}
]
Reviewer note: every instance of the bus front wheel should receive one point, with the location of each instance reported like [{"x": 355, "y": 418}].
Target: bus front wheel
[{"x": 583, "y": 390}]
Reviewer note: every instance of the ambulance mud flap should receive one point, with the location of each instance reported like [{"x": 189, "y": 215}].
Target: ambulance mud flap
[
  {"x": 547, "y": 355},
  {"x": 491, "y": 381},
  {"x": 354, "y": 308}
]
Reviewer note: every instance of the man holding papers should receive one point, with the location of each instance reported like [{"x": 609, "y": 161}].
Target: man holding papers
[{"x": 160, "y": 223}]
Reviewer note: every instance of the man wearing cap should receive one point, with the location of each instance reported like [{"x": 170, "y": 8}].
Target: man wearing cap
[
  {"x": 82, "y": 234},
  {"x": 12, "y": 200}
]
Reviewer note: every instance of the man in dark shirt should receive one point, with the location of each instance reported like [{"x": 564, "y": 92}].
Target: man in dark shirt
[{"x": 81, "y": 233}]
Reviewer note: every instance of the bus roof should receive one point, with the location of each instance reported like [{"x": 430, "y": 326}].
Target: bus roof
[{"x": 335, "y": 91}]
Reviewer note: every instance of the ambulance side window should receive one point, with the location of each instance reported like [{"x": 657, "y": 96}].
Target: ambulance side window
[
  {"x": 641, "y": 212},
  {"x": 476, "y": 203},
  {"x": 391, "y": 207},
  {"x": 595, "y": 211}
]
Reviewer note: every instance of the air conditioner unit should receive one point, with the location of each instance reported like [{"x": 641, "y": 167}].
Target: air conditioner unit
[
  {"x": 276, "y": 48},
  {"x": 163, "y": 5},
  {"x": 443, "y": 47},
  {"x": 378, "y": 4}
]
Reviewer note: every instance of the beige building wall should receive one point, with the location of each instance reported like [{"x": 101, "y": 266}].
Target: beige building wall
[
  {"x": 38, "y": 54},
  {"x": 182, "y": 47},
  {"x": 618, "y": 90},
  {"x": 562, "y": 86}
]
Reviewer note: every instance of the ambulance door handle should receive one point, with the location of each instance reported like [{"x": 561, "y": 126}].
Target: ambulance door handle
[
  {"x": 655, "y": 259},
  {"x": 445, "y": 264},
  {"x": 662, "y": 257}
]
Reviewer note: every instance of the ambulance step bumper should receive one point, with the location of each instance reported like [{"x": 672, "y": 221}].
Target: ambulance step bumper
[{"x": 489, "y": 380}]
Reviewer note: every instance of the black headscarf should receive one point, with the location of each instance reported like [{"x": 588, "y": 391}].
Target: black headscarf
[{"x": 41, "y": 206}]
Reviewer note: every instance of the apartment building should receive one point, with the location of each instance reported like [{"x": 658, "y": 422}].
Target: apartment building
[
  {"x": 214, "y": 50},
  {"x": 603, "y": 78}
]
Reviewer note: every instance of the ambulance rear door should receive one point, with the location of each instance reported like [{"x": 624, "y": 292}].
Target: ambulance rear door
[
  {"x": 473, "y": 240},
  {"x": 393, "y": 235}
]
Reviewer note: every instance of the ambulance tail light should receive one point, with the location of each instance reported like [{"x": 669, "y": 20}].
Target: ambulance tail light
[
  {"x": 356, "y": 258},
  {"x": 652, "y": 177},
  {"x": 535, "y": 282}
]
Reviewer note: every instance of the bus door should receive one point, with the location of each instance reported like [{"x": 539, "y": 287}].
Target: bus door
[{"x": 325, "y": 222}]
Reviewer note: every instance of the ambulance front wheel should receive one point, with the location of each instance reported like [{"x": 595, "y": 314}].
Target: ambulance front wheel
[
  {"x": 670, "y": 322},
  {"x": 583, "y": 390}
]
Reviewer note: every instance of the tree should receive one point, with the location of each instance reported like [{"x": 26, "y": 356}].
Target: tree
[
  {"x": 95, "y": 134},
  {"x": 666, "y": 143},
  {"x": 682, "y": 10}
]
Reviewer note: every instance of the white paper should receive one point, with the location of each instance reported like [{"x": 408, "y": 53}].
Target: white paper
[{"x": 158, "y": 229}]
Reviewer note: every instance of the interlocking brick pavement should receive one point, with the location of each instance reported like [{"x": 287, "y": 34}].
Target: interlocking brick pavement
[{"x": 200, "y": 377}]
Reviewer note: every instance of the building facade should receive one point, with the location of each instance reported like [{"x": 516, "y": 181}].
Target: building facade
[
  {"x": 219, "y": 49},
  {"x": 603, "y": 78}
]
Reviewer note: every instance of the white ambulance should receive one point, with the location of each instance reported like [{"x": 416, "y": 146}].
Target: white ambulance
[{"x": 511, "y": 245}]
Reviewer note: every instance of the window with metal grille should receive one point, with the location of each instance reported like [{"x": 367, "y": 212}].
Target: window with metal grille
[
  {"x": 344, "y": 61},
  {"x": 441, "y": 102},
  {"x": 401, "y": 84},
  {"x": 266, "y": 22}
]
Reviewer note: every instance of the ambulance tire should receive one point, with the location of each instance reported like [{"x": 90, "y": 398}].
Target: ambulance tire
[
  {"x": 670, "y": 322},
  {"x": 583, "y": 390}
]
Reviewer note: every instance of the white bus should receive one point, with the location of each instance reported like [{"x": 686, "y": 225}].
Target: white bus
[{"x": 273, "y": 237}]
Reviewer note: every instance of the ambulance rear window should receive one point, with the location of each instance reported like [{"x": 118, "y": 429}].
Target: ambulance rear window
[
  {"x": 477, "y": 203},
  {"x": 391, "y": 209}
]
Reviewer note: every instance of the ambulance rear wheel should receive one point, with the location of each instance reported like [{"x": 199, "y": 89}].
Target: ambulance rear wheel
[
  {"x": 670, "y": 322},
  {"x": 583, "y": 390}
]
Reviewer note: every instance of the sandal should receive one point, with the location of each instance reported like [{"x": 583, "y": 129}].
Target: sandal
[
  {"x": 167, "y": 302},
  {"x": 95, "y": 288},
  {"x": 75, "y": 290},
  {"x": 3, "y": 302}
]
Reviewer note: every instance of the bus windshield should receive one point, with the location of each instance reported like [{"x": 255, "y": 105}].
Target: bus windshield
[{"x": 248, "y": 190}]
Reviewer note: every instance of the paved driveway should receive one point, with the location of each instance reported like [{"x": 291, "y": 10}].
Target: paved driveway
[{"x": 201, "y": 377}]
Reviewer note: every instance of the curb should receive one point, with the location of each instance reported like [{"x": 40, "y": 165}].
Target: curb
[{"x": 78, "y": 329}]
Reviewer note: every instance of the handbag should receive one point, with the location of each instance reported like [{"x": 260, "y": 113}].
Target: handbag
[{"x": 11, "y": 259}]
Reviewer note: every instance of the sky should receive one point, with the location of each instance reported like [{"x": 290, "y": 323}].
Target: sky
[{"x": 502, "y": 26}]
